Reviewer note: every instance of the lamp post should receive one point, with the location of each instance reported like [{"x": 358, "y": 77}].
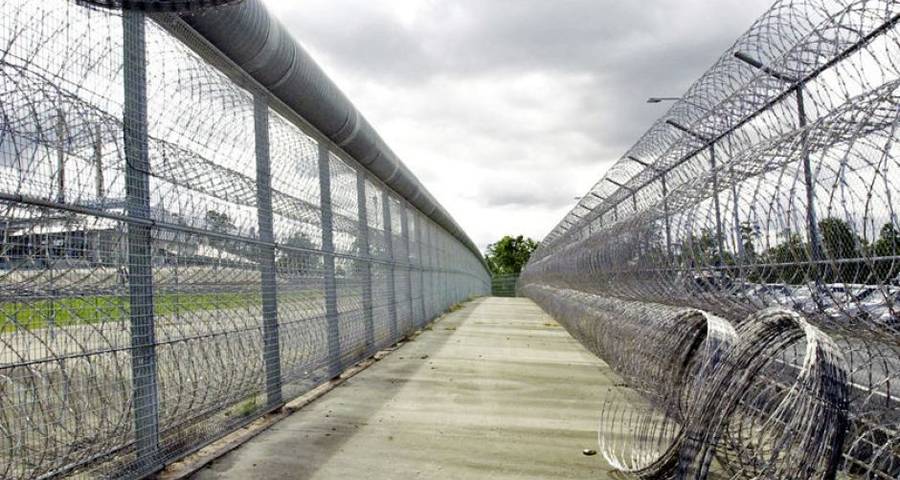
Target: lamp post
[
  {"x": 665, "y": 197},
  {"x": 811, "y": 221},
  {"x": 736, "y": 217},
  {"x": 715, "y": 179}
]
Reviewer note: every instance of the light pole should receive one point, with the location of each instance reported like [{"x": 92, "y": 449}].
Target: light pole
[
  {"x": 797, "y": 85},
  {"x": 665, "y": 194},
  {"x": 712, "y": 156},
  {"x": 677, "y": 99},
  {"x": 715, "y": 179}
]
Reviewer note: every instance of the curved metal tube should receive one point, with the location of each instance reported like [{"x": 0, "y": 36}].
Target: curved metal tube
[{"x": 266, "y": 51}]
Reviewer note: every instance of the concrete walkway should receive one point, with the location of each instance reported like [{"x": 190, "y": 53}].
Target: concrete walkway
[{"x": 496, "y": 390}]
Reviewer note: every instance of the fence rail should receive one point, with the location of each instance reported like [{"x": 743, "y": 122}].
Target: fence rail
[
  {"x": 740, "y": 264},
  {"x": 183, "y": 251},
  {"x": 504, "y": 285}
]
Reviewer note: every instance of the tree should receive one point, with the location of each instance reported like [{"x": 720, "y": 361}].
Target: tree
[
  {"x": 510, "y": 254},
  {"x": 749, "y": 234},
  {"x": 888, "y": 243},
  {"x": 839, "y": 242},
  {"x": 887, "y": 249},
  {"x": 789, "y": 260},
  {"x": 703, "y": 251},
  {"x": 293, "y": 261},
  {"x": 838, "y": 239},
  {"x": 219, "y": 222}
]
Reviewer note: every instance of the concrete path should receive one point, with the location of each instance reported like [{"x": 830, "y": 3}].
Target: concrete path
[{"x": 496, "y": 390}]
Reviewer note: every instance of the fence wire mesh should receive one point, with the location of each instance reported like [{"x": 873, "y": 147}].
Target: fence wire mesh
[
  {"x": 179, "y": 256},
  {"x": 739, "y": 265},
  {"x": 504, "y": 284}
]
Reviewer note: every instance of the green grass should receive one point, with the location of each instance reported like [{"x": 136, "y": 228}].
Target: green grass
[
  {"x": 247, "y": 407},
  {"x": 30, "y": 314}
]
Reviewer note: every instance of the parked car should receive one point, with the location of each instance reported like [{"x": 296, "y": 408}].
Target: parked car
[
  {"x": 884, "y": 310},
  {"x": 857, "y": 300},
  {"x": 710, "y": 280},
  {"x": 770, "y": 293}
]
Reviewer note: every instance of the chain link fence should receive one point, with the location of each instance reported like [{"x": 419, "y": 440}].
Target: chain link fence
[
  {"x": 183, "y": 252},
  {"x": 504, "y": 284},
  {"x": 739, "y": 266}
]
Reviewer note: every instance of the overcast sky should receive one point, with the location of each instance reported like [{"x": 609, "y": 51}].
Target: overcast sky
[{"x": 507, "y": 109}]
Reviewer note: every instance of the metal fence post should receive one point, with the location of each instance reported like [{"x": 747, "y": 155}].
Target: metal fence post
[
  {"x": 331, "y": 312},
  {"x": 665, "y": 195},
  {"x": 441, "y": 280},
  {"x": 715, "y": 178},
  {"x": 432, "y": 307},
  {"x": 365, "y": 270},
  {"x": 408, "y": 266},
  {"x": 737, "y": 224},
  {"x": 271, "y": 345},
  {"x": 62, "y": 138},
  {"x": 419, "y": 225},
  {"x": 811, "y": 221},
  {"x": 389, "y": 249},
  {"x": 140, "y": 274},
  {"x": 446, "y": 281}
]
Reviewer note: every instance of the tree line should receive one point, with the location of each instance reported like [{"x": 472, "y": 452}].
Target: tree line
[{"x": 845, "y": 256}]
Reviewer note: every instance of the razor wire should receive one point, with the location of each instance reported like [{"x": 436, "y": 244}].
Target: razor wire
[
  {"x": 739, "y": 266},
  {"x": 181, "y": 254}
]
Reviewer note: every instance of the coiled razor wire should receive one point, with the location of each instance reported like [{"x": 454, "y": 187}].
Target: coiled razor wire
[
  {"x": 268, "y": 270},
  {"x": 739, "y": 266}
]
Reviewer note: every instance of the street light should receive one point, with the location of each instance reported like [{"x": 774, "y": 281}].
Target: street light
[
  {"x": 760, "y": 66},
  {"x": 676, "y": 99},
  {"x": 641, "y": 162},
  {"x": 797, "y": 85},
  {"x": 688, "y": 130},
  {"x": 665, "y": 198},
  {"x": 715, "y": 178}
]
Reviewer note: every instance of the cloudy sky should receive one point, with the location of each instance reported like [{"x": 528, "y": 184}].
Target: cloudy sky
[{"x": 507, "y": 109}]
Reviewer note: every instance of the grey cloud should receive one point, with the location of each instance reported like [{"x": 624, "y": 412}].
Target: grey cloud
[
  {"x": 407, "y": 76},
  {"x": 523, "y": 198},
  {"x": 359, "y": 37},
  {"x": 466, "y": 37},
  {"x": 636, "y": 49},
  {"x": 542, "y": 192}
]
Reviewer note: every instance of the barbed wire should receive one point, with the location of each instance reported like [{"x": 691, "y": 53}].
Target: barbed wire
[
  {"x": 180, "y": 253},
  {"x": 740, "y": 265}
]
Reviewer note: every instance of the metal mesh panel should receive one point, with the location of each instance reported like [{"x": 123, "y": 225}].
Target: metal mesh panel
[
  {"x": 738, "y": 265},
  {"x": 181, "y": 253},
  {"x": 66, "y": 363},
  {"x": 382, "y": 271},
  {"x": 400, "y": 246},
  {"x": 349, "y": 271}
]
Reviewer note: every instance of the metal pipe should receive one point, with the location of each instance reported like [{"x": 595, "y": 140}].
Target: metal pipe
[
  {"x": 328, "y": 271},
  {"x": 267, "y": 52},
  {"x": 365, "y": 266},
  {"x": 140, "y": 273},
  {"x": 269, "y": 289}
]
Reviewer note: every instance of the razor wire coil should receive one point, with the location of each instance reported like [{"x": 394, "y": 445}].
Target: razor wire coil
[
  {"x": 766, "y": 198},
  {"x": 180, "y": 254}
]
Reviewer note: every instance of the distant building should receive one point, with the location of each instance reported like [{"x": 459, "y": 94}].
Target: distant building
[{"x": 95, "y": 240}]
